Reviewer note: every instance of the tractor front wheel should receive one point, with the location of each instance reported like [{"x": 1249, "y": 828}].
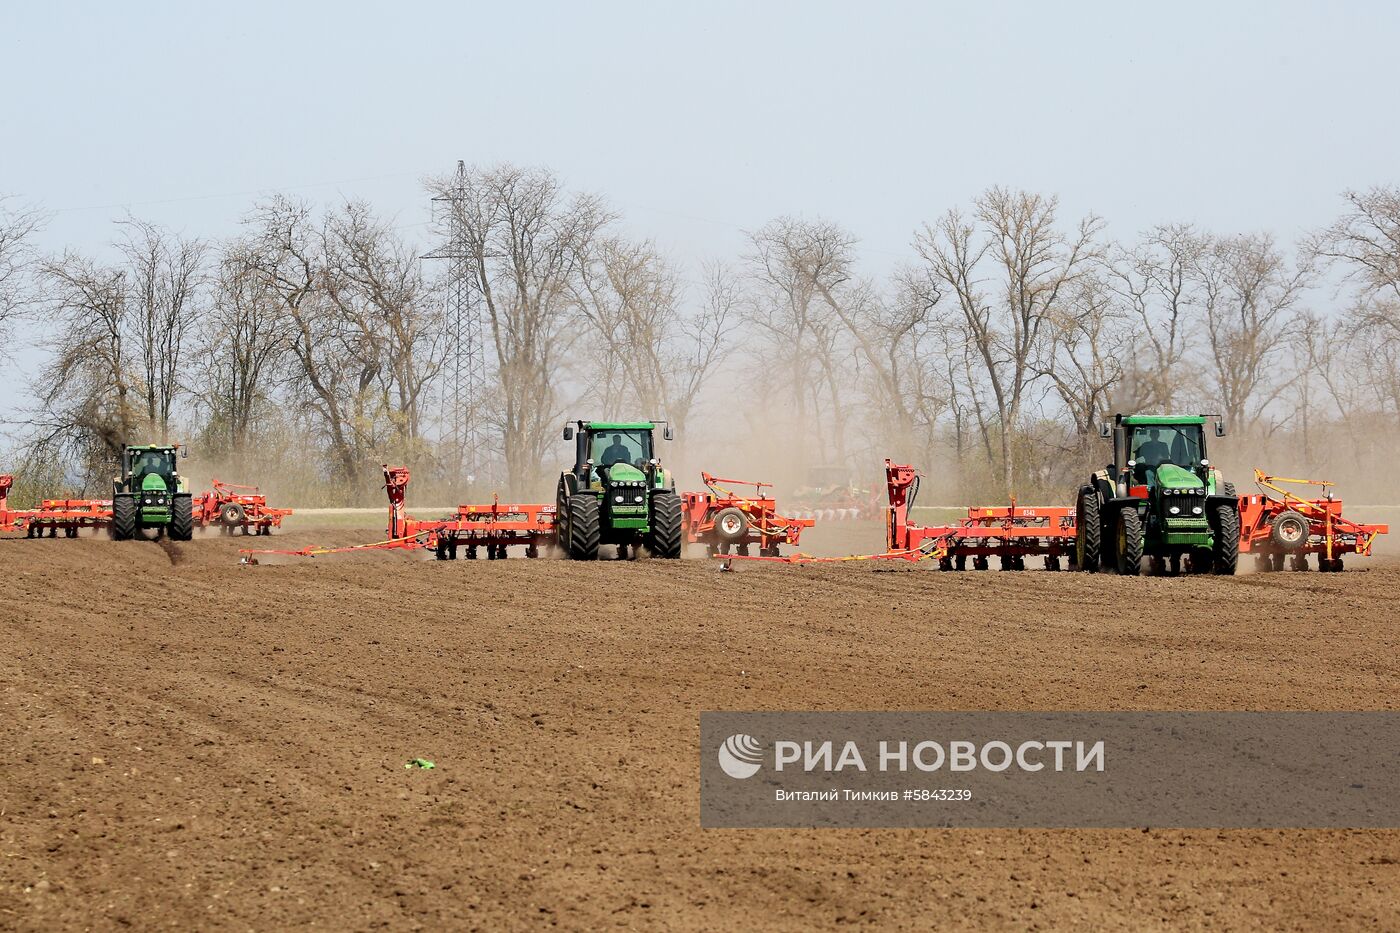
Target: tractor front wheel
[
  {"x": 664, "y": 536},
  {"x": 585, "y": 532},
  {"x": 1225, "y": 551},
  {"x": 1088, "y": 534},
  {"x": 1129, "y": 543},
  {"x": 123, "y": 518},
  {"x": 181, "y": 519}
]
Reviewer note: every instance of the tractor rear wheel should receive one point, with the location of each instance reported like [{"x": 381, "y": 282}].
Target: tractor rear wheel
[
  {"x": 1225, "y": 551},
  {"x": 585, "y": 532},
  {"x": 181, "y": 519},
  {"x": 1088, "y": 534},
  {"x": 664, "y": 536},
  {"x": 1129, "y": 550},
  {"x": 123, "y": 518},
  {"x": 1289, "y": 531}
]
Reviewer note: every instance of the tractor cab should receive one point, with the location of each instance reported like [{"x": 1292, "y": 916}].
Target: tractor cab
[
  {"x": 1154, "y": 450},
  {"x": 606, "y": 453}
]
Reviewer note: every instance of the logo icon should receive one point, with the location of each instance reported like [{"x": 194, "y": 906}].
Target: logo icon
[{"x": 741, "y": 756}]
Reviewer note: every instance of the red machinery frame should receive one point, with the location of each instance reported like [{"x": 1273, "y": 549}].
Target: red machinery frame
[
  {"x": 1327, "y": 533},
  {"x": 495, "y": 527},
  {"x": 52, "y": 515},
  {"x": 1011, "y": 533},
  {"x": 231, "y": 509},
  {"x": 724, "y": 520}
]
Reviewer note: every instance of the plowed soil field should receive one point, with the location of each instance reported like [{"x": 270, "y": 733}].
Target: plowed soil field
[{"x": 191, "y": 744}]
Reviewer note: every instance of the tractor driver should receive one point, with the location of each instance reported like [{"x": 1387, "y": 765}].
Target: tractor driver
[
  {"x": 149, "y": 462},
  {"x": 617, "y": 452},
  {"x": 1153, "y": 451}
]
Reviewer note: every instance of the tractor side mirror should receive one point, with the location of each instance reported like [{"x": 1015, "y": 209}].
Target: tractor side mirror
[
  {"x": 184, "y": 452},
  {"x": 1105, "y": 430},
  {"x": 668, "y": 434},
  {"x": 568, "y": 432},
  {"x": 1220, "y": 429}
]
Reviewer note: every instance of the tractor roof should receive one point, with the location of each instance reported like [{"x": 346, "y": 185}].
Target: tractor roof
[
  {"x": 618, "y": 425},
  {"x": 1164, "y": 419},
  {"x": 150, "y": 446}
]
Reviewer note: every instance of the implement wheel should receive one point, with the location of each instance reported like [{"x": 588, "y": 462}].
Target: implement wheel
[
  {"x": 231, "y": 513},
  {"x": 1129, "y": 541},
  {"x": 123, "y": 518},
  {"x": 1225, "y": 551},
  {"x": 1088, "y": 532},
  {"x": 731, "y": 525},
  {"x": 1290, "y": 531},
  {"x": 664, "y": 536},
  {"x": 585, "y": 532}
]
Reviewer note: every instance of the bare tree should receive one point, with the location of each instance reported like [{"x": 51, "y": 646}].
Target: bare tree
[
  {"x": 1014, "y": 237},
  {"x": 17, "y": 227},
  {"x": 164, "y": 276},
  {"x": 1365, "y": 242},
  {"x": 244, "y": 338},
  {"x": 1249, "y": 296},
  {"x": 802, "y": 270},
  {"x": 1156, "y": 280},
  {"x": 87, "y": 403},
  {"x": 1088, "y": 352},
  {"x": 635, "y": 300},
  {"x": 527, "y": 240}
]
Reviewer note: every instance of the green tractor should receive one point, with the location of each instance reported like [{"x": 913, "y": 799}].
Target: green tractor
[
  {"x": 150, "y": 493},
  {"x": 1160, "y": 499},
  {"x": 617, "y": 492}
]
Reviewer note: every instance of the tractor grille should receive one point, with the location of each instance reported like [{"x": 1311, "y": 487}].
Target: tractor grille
[{"x": 1184, "y": 509}]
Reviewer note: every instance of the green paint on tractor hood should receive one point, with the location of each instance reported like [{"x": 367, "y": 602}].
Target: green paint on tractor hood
[
  {"x": 625, "y": 473},
  {"x": 618, "y": 425},
  {"x": 1171, "y": 476},
  {"x": 152, "y": 482},
  {"x": 1163, "y": 419}
]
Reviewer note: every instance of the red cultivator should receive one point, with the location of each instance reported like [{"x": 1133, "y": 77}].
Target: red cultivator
[
  {"x": 52, "y": 515},
  {"x": 224, "y": 505},
  {"x": 493, "y": 527},
  {"x": 726, "y": 521},
  {"x": 1284, "y": 529},
  {"x": 1009, "y": 533}
]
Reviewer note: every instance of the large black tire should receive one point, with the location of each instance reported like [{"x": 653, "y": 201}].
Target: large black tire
[
  {"x": 1290, "y": 530},
  {"x": 181, "y": 518},
  {"x": 1225, "y": 552},
  {"x": 731, "y": 525},
  {"x": 585, "y": 532},
  {"x": 1088, "y": 535},
  {"x": 1129, "y": 543},
  {"x": 664, "y": 537},
  {"x": 123, "y": 518}
]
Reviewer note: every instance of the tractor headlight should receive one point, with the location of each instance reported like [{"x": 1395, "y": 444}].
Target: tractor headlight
[
  {"x": 1196, "y": 510},
  {"x": 617, "y": 498},
  {"x": 641, "y": 498},
  {"x": 1174, "y": 510},
  {"x": 147, "y": 500}
]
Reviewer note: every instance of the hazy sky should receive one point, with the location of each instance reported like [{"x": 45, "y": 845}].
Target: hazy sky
[{"x": 699, "y": 120}]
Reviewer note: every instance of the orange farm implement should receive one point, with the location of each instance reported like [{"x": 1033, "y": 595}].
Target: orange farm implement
[
  {"x": 493, "y": 527},
  {"x": 52, "y": 515},
  {"x": 234, "y": 508},
  {"x": 1009, "y": 533},
  {"x": 725, "y": 521},
  {"x": 1282, "y": 529}
]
